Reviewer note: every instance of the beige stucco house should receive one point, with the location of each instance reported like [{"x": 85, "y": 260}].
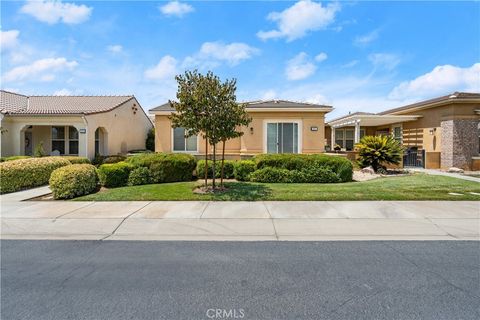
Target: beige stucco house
[
  {"x": 277, "y": 126},
  {"x": 438, "y": 133},
  {"x": 71, "y": 125}
]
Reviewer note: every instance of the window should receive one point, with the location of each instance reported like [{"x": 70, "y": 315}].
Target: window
[
  {"x": 397, "y": 134},
  {"x": 282, "y": 137},
  {"x": 72, "y": 140},
  {"x": 349, "y": 138},
  {"x": 58, "y": 139},
  {"x": 345, "y": 138},
  {"x": 183, "y": 144},
  {"x": 339, "y": 135},
  {"x": 97, "y": 141}
]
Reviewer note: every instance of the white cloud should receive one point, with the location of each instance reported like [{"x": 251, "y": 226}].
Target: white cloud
[
  {"x": 269, "y": 95},
  {"x": 115, "y": 48},
  {"x": 440, "y": 81},
  {"x": 212, "y": 54},
  {"x": 321, "y": 57},
  {"x": 296, "y": 21},
  {"x": 53, "y": 12},
  {"x": 42, "y": 70},
  {"x": 299, "y": 67},
  {"x": 165, "y": 69},
  {"x": 8, "y": 39},
  {"x": 386, "y": 61},
  {"x": 367, "y": 38},
  {"x": 175, "y": 8},
  {"x": 62, "y": 92}
]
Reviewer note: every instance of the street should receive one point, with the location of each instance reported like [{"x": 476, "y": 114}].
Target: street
[{"x": 240, "y": 280}]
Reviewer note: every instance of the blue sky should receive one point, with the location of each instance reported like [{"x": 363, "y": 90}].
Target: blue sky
[{"x": 356, "y": 56}]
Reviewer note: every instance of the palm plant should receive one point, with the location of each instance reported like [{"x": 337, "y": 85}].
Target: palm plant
[{"x": 375, "y": 151}]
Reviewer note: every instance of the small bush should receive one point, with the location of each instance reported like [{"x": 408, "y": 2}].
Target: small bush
[
  {"x": 166, "y": 167},
  {"x": 99, "y": 160},
  {"x": 39, "y": 150},
  {"x": 139, "y": 176},
  {"x": 375, "y": 151},
  {"x": 3, "y": 159},
  {"x": 227, "y": 169},
  {"x": 345, "y": 172},
  {"x": 77, "y": 160},
  {"x": 22, "y": 174},
  {"x": 150, "y": 141},
  {"x": 272, "y": 175},
  {"x": 315, "y": 175},
  {"x": 73, "y": 180},
  {"x": 242, "y": 169},
  {"x": 114, "y": 175}
]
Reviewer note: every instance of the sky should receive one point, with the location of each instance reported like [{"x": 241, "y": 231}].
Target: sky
[{"x": 355, "y": 56}]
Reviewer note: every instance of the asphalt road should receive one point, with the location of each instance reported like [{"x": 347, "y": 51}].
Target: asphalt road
[{"x": 243, "y": 280}]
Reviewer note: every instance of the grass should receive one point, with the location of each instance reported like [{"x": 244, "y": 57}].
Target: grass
[{"x": 412, "y": 187}]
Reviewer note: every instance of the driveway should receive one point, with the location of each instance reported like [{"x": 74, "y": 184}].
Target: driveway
[{"x": 246, "y": 221}]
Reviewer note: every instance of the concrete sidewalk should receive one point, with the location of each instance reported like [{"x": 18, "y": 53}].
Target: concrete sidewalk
[{"x": 268, "y": 220}]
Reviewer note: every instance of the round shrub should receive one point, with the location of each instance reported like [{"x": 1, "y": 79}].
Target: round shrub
[
  {"x": 315, "y": 175},
  {"x": 139, "y": 176},
  {"x": 22, "y": 174},
  {"x": 114, "y": 175},
  {"x": 73, "y": 180},
  {"x": 228, "y": 168},
  {"x": 272, "y": 175},
  {"x": 242, "y": 169},
  {"x": 77, "y": 160},
  {"x": 166, "y": 167}
]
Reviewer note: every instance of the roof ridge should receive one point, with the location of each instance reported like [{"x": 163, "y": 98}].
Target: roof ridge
[
  {"x": 84, "y": 96},
  {"x": 18, "y": 94}
]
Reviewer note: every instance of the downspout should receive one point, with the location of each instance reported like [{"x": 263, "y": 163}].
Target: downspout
[{"x": 86, "y": 135}]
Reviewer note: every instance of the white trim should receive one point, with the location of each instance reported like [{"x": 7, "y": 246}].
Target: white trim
[
  {"x": 323, "y": 110},
  {"x": 299, "y": 122},
  {"x": 176, "y": 151},
  {"x": 385, "y": 119}
]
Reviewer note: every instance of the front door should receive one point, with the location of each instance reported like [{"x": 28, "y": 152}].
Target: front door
[
  {"x": 282, "y": 137},
  {"x": 28, "y": 143}
]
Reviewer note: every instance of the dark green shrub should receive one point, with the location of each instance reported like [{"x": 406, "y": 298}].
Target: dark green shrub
[
  {"x": 3, "y": 159},
  {"x": 315, "y": 175},
  {"x": 272, "y": 175},
  {"x": 375, "y": 151},
  {"x": 345, "y": 172},
  {"x": 139, "y": 176},
  {"x": 114, "y": 159},
  {"x": 22, "y": 174},
  {"x": 150, "y": 142},
  {"x": 77, "y": 160},
  {"x": 242, "y": 169},
  {"x": 227, "y": 169},
  {"x": 114, "y": 175},
  {"x": 166, "y": 167},
  {"x": 73, "y": 180}
]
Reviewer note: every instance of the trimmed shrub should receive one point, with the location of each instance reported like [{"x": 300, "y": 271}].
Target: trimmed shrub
[
  {"x": 73, "y": 180},
  {"x": 77, "y": 160},
  {"x": 345, "y": 172},
  {"x": 315, "y": 175},
  {"x": 242, "y": 169},
  {"x": 166, "y": 167},
  {"x": 272, "y": 175},
  {"x": 150, "y": 141},
  {"x": 22, "y": 174},
  {"x": 227, "y": 169},
  {"x": 114, "y": 175},
  {"x": 3, "y": 159},
  {"x": 99, "y": 160},
  {"x": 139, "y": 176}
]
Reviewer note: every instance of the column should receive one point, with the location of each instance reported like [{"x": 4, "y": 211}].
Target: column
[
  {"x": 332, "y": 143},
  {"x": 357, "y": 132}
]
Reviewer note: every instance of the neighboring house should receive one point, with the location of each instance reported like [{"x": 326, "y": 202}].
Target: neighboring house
[
  {"x": 439, "y": 133},
  {"x": 277, "y": 126},
  {"x": 71, "y": 125}
]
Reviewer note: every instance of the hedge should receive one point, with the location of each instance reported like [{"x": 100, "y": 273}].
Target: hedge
[
  {"x": 339, "y": 165},
  {"x": 166, "y": 167},
  {"x": 272, "y": 175},
  {"x": 227, "y": 169},
  {"x": 77, "y": 160},
  {"x": 138, "y": 176},
  {"x": 114, "y": 175},
  {"x": 28, "y": 173},
  {"x": 99, "y": 160},
  {"x": 308, "y": 175},
  {"x": 242, "y": 169},
  {"x": 73, "y": 180},
  {"x": 3, "y": 159}
]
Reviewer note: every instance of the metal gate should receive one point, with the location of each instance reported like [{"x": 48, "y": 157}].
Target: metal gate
[{"x": 414, "y": 158}]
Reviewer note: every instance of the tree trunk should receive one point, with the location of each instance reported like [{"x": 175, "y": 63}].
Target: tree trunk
[
  {"x": 223, "y": 163},
  {"x": 213, "y": 165},
  {"x": 206, "y": 162}
]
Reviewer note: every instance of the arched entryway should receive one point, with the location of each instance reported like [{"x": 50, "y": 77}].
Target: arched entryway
[{"x": 101, "y": 141}]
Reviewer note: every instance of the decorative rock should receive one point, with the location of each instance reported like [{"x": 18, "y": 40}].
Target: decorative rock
[
  {"x": 455, "y": 170},
  {"x": 368, "y": 170}
]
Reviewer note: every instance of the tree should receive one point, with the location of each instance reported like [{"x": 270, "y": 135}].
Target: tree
[
  {"x": 150, "y": 141},
  {"x": 375, "y": 151}
]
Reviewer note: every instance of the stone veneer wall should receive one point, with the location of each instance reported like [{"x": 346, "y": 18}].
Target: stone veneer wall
[{"x": 459, "y": 143}]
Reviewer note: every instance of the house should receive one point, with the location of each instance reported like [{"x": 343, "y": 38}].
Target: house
[
  {"x": 71, "y": 125},
  {"x": 278, "y": 126},
  {"x": 438, "y": 133}
]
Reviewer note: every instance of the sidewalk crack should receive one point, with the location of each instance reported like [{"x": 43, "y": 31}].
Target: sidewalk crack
[
  {"x": 62, "y": 215},
  {"x": 271, "y": 218},
  {"x": 123, "y": 220}
]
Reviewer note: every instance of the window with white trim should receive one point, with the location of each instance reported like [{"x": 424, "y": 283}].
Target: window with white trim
[
  {"x": 72, "y": 140},
  {"x": 181, "y": 143},
  {"x": 345, "y": 138},
  {"x": 58, "y": 139},
  {"x": 282, "y": 137},
  {"x": 397, "y": 134}
]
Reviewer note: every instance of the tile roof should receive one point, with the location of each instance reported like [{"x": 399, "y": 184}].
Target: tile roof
[
  {"x": 13, "y": 103},
  {"x": 273, "y": 104}
]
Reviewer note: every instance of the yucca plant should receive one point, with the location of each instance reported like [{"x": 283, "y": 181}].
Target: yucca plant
[{"x": 375, "y": 151}]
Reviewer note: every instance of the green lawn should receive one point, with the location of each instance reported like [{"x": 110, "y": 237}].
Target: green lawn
[{"x": 413, "y": 187}]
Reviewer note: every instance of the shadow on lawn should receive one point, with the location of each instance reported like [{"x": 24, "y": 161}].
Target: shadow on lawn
[{"x": 243, "y": 192}]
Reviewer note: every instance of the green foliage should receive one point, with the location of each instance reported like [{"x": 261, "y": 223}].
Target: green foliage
[
  {"x": 39, "y": 151},
  {"x": 3, "y": 159},
  {"x": 73, "y": 180},
  {"x": 99, "y": 160},
  {"x": 22, "y": 174},
  {"x": 339, "y": 165},
  {"x": 114, "y": 175},
  {"x": 242, "y": 169},
  {"x": 166, "y": 167},
  {"x": 272, "y": 175},
  {"x": 375, "y": 151},
  {"x": 77, "y": 160},
  {"x": 313, "y": 174},
  {"x": 227, "y": 170},
  {"x": 139, "y": 176},
  {"x": 150, "y": 142}
]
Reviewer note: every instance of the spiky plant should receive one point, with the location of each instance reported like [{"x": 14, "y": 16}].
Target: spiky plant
[{"x": 375, "y": 151}]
